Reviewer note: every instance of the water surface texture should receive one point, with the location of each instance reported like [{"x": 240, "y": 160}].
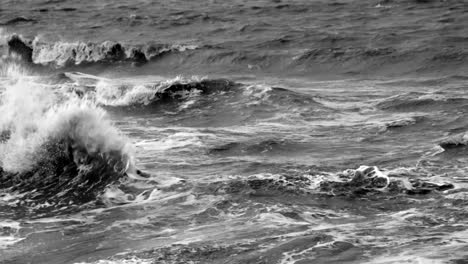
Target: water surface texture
[{"x": 233, "y": 131}]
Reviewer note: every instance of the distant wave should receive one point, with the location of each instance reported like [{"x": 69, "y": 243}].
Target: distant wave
[
  {"x": 268, "y": 55},
  {"x": 75, "y": 53}
]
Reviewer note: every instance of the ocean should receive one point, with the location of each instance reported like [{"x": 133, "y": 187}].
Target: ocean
[{"x": 240, "y": 132}]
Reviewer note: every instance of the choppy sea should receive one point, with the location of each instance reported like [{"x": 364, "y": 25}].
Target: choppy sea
[{"x": 279, "y": 131}]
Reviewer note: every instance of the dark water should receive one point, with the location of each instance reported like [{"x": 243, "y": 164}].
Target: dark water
[{"x": 233, "y": 132}]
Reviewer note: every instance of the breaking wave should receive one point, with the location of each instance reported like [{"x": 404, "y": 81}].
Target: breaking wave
[
  {"x": 56, "y": 152},
  {"x": 117, "y": 94},
  {"x": 62, "y": 54}
]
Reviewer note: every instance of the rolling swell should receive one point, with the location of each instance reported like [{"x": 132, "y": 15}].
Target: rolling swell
[{"x": 62, "y": 54}]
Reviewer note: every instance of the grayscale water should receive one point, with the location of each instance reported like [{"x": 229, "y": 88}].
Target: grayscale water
[{"x": 233, "y": 131}]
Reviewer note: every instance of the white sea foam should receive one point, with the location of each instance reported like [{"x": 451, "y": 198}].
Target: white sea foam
[
  {"x": 122, "y": 95},
  {"x": 62, "y": 52},
  {"x": 365, "y": 172}
]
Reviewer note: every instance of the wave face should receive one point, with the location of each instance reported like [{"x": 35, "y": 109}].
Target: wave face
[{"x": 56, "y": 151}]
